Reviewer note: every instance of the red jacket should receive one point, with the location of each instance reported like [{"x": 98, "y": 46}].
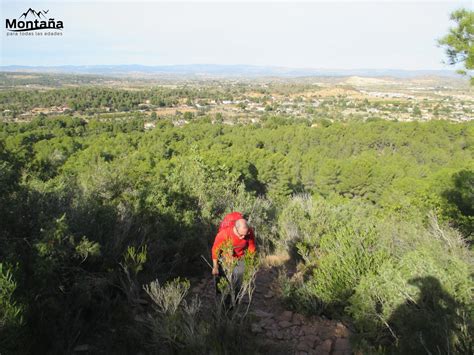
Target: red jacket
[{"x": 240, "y": 245}]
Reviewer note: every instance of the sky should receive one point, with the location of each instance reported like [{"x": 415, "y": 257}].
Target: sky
[{"x": 310, "y": 34}]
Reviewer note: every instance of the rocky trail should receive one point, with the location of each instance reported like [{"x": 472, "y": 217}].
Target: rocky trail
[{"x": 280, "y": 330}]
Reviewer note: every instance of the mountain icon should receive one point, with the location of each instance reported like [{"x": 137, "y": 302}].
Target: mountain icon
[{"x": 35, "y": 13}]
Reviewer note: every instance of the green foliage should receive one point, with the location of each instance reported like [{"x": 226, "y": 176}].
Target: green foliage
[
  {"x": 134, "y": 258},
  {"x": 302, "y": 222},
  {"x": 460, "y": 202},
  {"x": 418, "y": 303},
  {"x": 86, "y": 248},
  {"x": 178, "y": 325},
  {"x": 188, "y": 115},
  {"x": 343, "y": 258},
  {"x": 406, "y": 285},
  {"x": 169, "y": 297},
  {"x": 93, "y": 209},
  {"x": 298, "y": 296},
  {"x": 58, "y": 245},
  {"x": 175, "y": 323},
  {"x": 233, "y": 288},
  {"x": 459, "y": 42},
  {"x": 11, "y": 313},
  {"x": 211, "y": 186}
]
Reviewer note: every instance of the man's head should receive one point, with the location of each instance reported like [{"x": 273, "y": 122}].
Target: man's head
[{"x": 241, "y": 227}]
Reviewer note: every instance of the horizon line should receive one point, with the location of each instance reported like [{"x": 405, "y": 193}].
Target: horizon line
[{"x": 227, "y": 65}]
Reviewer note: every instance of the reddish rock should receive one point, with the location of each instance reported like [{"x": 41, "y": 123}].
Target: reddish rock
[
  {"x": 308, "y": 330},
  {"x": 341, "y": 331},
  {"x": 294, "y": 331},
  {"x": 284, "y": 324},
  {"x": 309, "y": 340},
  {"x": 287, "y": 334},
  {"x": 286, "y": 315},
  {"x": 278, "y": 334},
  {"x": 262, "y": 314},
  {"x": 302, "y": 346},
  {"x": 342, "y": 346},
  {"x": 298, "y": 318},
  {"x": 326, "y": 332},
  {"x": 324, "y": 348},
  {"x": 270, "y": 325}
]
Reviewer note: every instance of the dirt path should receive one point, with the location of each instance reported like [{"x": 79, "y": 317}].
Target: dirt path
[{"x": 283, "y": 331}]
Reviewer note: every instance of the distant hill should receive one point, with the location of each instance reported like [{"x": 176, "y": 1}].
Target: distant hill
[{"x": 216, "y": 70}]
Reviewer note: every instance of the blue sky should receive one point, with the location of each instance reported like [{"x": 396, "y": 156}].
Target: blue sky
[{"x": 311, "y": 34}]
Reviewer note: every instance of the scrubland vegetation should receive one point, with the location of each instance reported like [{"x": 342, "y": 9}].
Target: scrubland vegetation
[{"x": 377, "y": 216}]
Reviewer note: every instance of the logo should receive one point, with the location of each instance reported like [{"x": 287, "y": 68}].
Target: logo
[{"x": 33, "y": 22}]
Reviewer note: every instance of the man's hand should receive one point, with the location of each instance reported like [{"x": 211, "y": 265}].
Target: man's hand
[{"x": 215, "y": 267}]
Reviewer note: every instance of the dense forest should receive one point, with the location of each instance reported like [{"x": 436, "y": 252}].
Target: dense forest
[{"x": 376, "y": 214}]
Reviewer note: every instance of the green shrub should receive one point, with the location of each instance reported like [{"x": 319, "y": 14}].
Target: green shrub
[
  {"x": 10, "y": 311},
  {"x": 406, "y": 284},
  {"x": 297, "y": 295},
  {"x": 175, "y": 323},
  {"x": 417, "y": 304},
  {"x": 301, "y": 220},
  {"x": 343, "y": 258}
]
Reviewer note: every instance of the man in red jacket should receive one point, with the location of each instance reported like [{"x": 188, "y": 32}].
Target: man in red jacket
[{"x": 243, "y": 240}]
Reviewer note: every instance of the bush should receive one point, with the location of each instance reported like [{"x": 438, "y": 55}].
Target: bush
[
  {"x": 406, "y": 285},
  {"x": 234, "y": 288},
  {"x": 11, "y": 313},
  {"x": 302, "y": 223},
  {"x": 174, "y": 323},
  {"x": 297, "y": 295},
  {"x": 418, "y": 303},
  {"x": 343, "y": 258}
]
